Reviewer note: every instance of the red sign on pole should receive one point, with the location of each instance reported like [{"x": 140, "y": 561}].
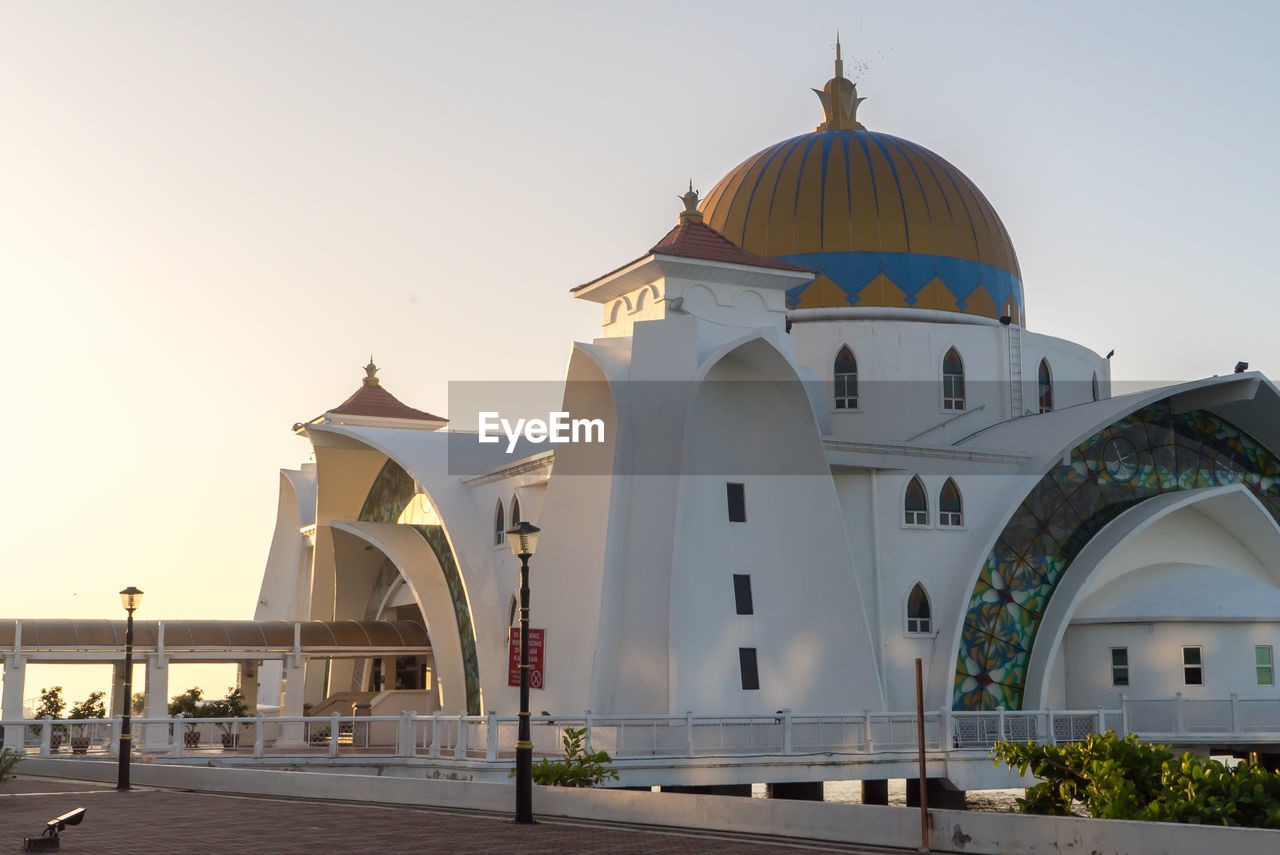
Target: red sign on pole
[{"x": 537, "y": 646}]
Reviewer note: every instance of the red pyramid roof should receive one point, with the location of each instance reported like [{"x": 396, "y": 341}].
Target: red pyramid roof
[
  {"x": 695, "y": 239},
  {"x": 371, "y": 399}
]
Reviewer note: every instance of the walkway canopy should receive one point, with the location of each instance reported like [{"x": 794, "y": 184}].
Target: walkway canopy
[{"x": 210, "y": 640}]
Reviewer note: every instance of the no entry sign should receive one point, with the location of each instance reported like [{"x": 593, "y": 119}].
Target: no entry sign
[{"x": 537, "y": 646}]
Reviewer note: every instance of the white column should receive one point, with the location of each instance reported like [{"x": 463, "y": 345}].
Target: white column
[
  {"x": 294, "y": 695},
  {"x": 15, "y": 679},
  {"x": 117, "y": 703},
  {"x": 157, "y": 706},
  {"x": 247, "y": 682}
]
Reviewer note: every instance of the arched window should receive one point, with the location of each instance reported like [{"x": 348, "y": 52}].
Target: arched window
[
  {"x": 952, "y": 381},
  {"x": 950, "y": 509},
  {"x": 1045, "y": 383},
  {"x": 499, "y": 525},
  {"x": 916, "y": 504},
  {"x": 846, "y": 380},
  {"x": 919, "y": 614},
  {"x": 515, "y": 510},
  {"x": 1096, "y": 396}
]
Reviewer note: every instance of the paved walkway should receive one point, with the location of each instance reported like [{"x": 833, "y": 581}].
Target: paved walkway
[{"x": 157, "y": 822}]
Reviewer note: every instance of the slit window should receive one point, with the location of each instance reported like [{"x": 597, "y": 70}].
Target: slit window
[
  {"x": 952, "y": 381},
  {"x": 742, "y": 594},
  {"x": 737, "y": 494},
  {"x": 515, "y": 511},
  {"x": 1262, "y": 659},
  {"x": 1119, "y": 666},
  {"x": 846, "y": 380},
  {"x": 916, "y": 505},
  {"x": 950, "y": 511},
  {"x": 750, "y": 670},
  {"x": 919, "y": 613},
  {"x": 1044, "y": 380},
  {"x": 1192, "y": 666}
]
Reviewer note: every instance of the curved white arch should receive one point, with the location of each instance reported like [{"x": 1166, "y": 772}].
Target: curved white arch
[{"x": 1233, "y": 507}]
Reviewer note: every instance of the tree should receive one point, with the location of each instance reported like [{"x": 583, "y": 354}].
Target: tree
[
  {"x": 579, "y": 768},
  {"x": 90, "y": 707},
  {"x": 139, "y": 703},
  {"x": 1125, "y": 779},
  {"x": 51, "y": 703},
  {"x": 187, "y": 703}
]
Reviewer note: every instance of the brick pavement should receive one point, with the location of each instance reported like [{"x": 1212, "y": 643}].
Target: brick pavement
[{"x": 158, "y": 822}]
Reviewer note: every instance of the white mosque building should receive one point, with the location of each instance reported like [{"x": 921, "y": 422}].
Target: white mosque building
[{"x": 831, "y": 445}]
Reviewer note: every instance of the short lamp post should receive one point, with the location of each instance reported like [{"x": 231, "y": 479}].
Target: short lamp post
[
  {"x": 131, "y": 598},
  {"x": 523, "y": 539}
]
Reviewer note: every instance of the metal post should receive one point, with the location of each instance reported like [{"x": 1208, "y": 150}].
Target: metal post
[
  {"x": 524, "y": 745},
  {"x": 126, "y": 737},
  {"x": 924, "y": 778}
]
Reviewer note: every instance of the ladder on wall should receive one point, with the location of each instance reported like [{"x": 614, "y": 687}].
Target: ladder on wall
[{"x": 1015, "y": 370}]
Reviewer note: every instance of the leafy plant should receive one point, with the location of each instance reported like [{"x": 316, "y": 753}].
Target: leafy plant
[
  {"x": 187, "y": 703},
  {"x": 90, "y": 707},
  {"x": 8, "y": 759},
  {"x": 1117, "y": 778},
  {"x": 139, "y": 703},
  {"x": 51, "y": 703},
  {"x": 579, "y": 768}
]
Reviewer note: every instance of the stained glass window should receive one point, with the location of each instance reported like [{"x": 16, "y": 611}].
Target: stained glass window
[
  {"x": 846, "y": 380},
  {"x": 950, "y": 511},
  {"x": 952, "y": 381},
  {"x": 919, "y": 614},
  {"x": 916, "y": 505}
]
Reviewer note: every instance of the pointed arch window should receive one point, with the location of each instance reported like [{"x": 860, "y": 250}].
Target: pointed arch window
[
  {"x": 515, "y": 511},
  {"x": 950, "y": 506},
  {"x": 916, "y": 504},
  {"x": 1044, "y": 380},
  {"x": 1096, "y": 396},
  {"x": 499, "y": 525},
  {"x": 952, "y": 381},
  {"x": 846, "y": 380},
  {"x": 919, "y": 612}
]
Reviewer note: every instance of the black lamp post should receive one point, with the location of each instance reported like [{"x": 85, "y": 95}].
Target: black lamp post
[
  {"x": 131, "y": 598},
  {"x": 523, "y": 539}
]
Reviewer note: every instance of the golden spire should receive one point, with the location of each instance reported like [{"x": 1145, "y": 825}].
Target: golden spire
[
  {"x": 690, "y": 214},
  {"x": 371, "y": 373},
  {"x": 840, "y": 100}
]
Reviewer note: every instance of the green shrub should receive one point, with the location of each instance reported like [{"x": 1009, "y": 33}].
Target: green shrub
[
  {"x": 1117, "y": 778},
  {"x": 579, "y": 768},
  {"x": 8, "y": 759}
]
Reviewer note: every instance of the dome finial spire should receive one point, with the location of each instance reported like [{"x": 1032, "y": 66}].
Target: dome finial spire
[
  {"x": 690, "y": 214},
  {"x": 371, "y": 373},
  {"x": 840, "y": 99}
]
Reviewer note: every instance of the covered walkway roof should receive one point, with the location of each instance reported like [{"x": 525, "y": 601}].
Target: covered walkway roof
[{"x": 210, "y": 640}]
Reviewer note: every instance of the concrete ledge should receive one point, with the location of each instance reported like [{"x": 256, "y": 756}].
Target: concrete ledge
[{"x": 953, "y": 831}]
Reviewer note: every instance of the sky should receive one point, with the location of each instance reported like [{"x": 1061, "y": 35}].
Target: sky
[{"x": 212, "y": 214}]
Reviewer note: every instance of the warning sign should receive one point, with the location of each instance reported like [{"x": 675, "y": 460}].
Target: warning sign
[{"x": 537, "y": 648}]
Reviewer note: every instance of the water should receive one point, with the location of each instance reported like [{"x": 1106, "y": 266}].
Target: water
[{"x": 850, "y": 792}]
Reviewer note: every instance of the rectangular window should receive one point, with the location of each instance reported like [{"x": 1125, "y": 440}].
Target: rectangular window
[
  {"x": 747, "y": 662},
  {"x": 737, "y": 502},
  {"x": 1192, "y": 667},
  {"x": 742, "y": 593},
  {"x": 953, "y": 391},
  {"x": 846, "y": 391},
  {"x": 1262, "y": 659},
  {"x": 1119, "y": 666}
]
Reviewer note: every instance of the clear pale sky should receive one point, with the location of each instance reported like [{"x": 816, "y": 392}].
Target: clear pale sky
[{"x": 211, "y": 214}]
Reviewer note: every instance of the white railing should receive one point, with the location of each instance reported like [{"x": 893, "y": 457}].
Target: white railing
[{"x": 491, "y": 738}]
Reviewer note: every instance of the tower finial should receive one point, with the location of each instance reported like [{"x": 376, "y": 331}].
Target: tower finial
[
  {"x": 840, "y": 99},
  {"x": 371, "y": 373},
  {"x": 690, "y": 214}
]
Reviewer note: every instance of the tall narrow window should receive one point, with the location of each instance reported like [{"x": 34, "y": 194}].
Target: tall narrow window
[
  {"x": 750, "y": 671},
  {"x": 499, "y": 525},
  {"x": 916, "y": 505},
  {"x": 1045, "y": 384},
  {"x": 742, "y": 593},
  {"x": 1096, "y": 394},
  {"x": 919, "y": 614},
  {"x": 737, "y": 494},
  {"x": 952, "y": 381},
  {"x": 515, "y": 511},
  {"x": 1192, "y": 666},
  {"x": 1119, "y": 666},
  {"x": 950, "y": 510},
  {"x": 1262, "y": 659},
  {"x": 846, "y": 377}
]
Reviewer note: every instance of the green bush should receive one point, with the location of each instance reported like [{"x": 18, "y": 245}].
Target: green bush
[
  {"x": 1117, "y": 778},
  {"x": 579, "y": 768},
  {"x": 51, "y": 703},
  {"x": 8, "y": 759}
]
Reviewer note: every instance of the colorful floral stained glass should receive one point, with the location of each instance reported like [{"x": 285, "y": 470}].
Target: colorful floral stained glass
[{"x": 1150, "y": 452}]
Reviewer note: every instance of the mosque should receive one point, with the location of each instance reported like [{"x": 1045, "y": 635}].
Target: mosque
[{"x": 831, "y": 445}]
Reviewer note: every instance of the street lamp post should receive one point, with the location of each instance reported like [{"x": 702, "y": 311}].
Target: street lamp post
[
  {"x": 523, "y": 539},
  {"x": 131, "y": 598}
]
